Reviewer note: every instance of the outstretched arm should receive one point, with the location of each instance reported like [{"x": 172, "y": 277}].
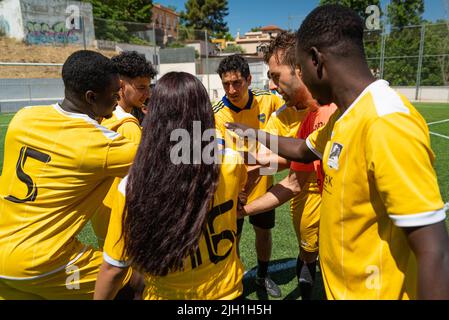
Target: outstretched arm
[
  {"x": 109, "y": 281},
  {"x": 289, "y": 148},
  {"x": 278, "y": 195},
  {"x": 431, "y": 247}
]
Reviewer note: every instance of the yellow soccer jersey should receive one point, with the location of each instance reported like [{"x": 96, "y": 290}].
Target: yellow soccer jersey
[
  {"x": 55, "y": 166},
  {"x": 128, "y": 126},
  {"x": 125, "y": 124},
  {"x": 256, "y": 114},
  {"x": 379, "y": 177},
  {"x": 215, "y": 271},
  {"x": 285, "y": 122}
]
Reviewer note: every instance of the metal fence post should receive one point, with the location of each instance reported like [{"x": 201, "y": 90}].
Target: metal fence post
[
  {"x": 155, "y": 57},
  {"x": 420, "y": 60},
  {"x": 382, "y": 52},
  {"x": 207, "y": 62},
  {"x": 83, "y": 25}
]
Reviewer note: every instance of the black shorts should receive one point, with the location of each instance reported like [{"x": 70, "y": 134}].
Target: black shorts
[{"x": 264, "y": 220}]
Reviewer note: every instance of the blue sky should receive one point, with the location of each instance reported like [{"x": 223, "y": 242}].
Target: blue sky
[{"x": 245, "y": 14}]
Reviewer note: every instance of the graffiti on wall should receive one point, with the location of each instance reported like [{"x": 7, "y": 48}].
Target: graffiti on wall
[
  {"x": 4, "y": 26},
  {"x": 42, "y": 33}
]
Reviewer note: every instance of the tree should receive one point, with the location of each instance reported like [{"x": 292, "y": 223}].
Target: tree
[
  {"x": 131, "y": 10},
  {"x": 402, "y": 42},
  {"x": 405, "y": 13},
  {"x": 255, "y": 29},
  {"x": 206, "y": 15},
  {"x": 111, "y": 17},
  {"x": 359, "y": 6},
  {"x": 228, "y": 37},
  {"x": 232, "y": 48}
]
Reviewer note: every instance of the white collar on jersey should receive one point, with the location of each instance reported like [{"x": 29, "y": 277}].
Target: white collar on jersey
[{"x": 377, "y": 83}]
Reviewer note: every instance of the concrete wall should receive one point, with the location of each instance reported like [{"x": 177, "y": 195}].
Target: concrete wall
[
  {"x": 148, "y": 51},
  {"x": 188, "y": 67},
  {"x": 11, "y": 23},
  {"x": 49, "y": 21},
  {"x": 425, "y": 94},
  {"x": 18, "y": 93}
]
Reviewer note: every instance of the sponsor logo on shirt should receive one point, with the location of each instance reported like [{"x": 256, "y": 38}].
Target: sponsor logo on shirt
[
  {"x": 334, "y": 156},
  {"x": 262, "y": 117}
]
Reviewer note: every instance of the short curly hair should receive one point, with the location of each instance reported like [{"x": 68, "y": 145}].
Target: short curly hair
[
  {"x": 132, "y": 64},
  {"x": 283, "y": 48},
  {"x": 86, "y": 70},
  {"x": 334, "y": 28},
  {"x": 234, "y": 63}
]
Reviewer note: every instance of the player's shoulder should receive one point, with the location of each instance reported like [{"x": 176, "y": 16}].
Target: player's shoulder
[
  {"x": 218, "y": 106},
  {"x": 35, "y": 110},
  {"x": 385, "y": 100},
  {"x": 260, "y": 92}
]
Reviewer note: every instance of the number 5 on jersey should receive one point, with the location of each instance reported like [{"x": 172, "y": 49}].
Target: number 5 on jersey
[{"x": 25, "y": 153}]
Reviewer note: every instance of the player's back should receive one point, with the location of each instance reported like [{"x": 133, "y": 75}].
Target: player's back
[
  {"x": 55, "y": 164},
  {"x": 215, "y": 270}
]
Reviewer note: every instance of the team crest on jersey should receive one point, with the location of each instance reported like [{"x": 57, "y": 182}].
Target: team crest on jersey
[
  {"x": 262, "y": 117},
  {"x": 334, "y": 156}
]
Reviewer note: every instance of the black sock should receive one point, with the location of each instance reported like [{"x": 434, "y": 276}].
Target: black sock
[
  {"x": 308, "y": 275},
  {"x": 262, "y": 268},
  {"x": 299, "y": 264},
  {"x": 307, "y": 279}
]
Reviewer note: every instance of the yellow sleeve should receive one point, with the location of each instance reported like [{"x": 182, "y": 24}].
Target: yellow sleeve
[
  {"x": 319, "y": 138},
  {"x": 399, "y": 158},
  {"x": 272, "y": 126},
  {"x": 219, "y": 126},
  {"x": 119, "y": 157},
  {"x": 131, "y": 130},
  {"x": 114, "y": 246},
  {"x": 277, "y": 102}
]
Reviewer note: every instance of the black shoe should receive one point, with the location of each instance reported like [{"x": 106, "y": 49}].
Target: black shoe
[{"x": 270, "y": 287}]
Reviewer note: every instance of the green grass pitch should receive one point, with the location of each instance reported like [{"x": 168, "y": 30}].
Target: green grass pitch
[{"x": 285, "y": 247}]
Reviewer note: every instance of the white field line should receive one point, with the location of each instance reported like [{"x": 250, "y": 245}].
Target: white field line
[
  {"x": 277, "y": 267},
  {"x": 439, "y": 135},
  {"x": 437, "y": 122}
]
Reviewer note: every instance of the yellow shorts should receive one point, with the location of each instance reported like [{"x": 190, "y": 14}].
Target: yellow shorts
[
  {"x": 305, "y": 214},
  {"x": 74, "y": 282}
]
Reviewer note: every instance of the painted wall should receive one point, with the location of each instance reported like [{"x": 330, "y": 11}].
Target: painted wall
[
  {"x": 49, "y": 21},
  {"x": 57, "y": 21}
]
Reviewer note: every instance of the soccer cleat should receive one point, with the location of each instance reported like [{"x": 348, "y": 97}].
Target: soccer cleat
[{"x": 270, "y": 286}]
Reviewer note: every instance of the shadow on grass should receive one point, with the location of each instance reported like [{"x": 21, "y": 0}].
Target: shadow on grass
[{"x": 283, "y": 273}]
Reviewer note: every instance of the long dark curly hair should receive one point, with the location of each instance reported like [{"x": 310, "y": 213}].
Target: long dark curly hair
[{"x": 167, "y": 203}]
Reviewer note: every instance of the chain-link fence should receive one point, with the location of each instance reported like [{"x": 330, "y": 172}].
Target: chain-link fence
[{"x": 414, "y": 57}]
